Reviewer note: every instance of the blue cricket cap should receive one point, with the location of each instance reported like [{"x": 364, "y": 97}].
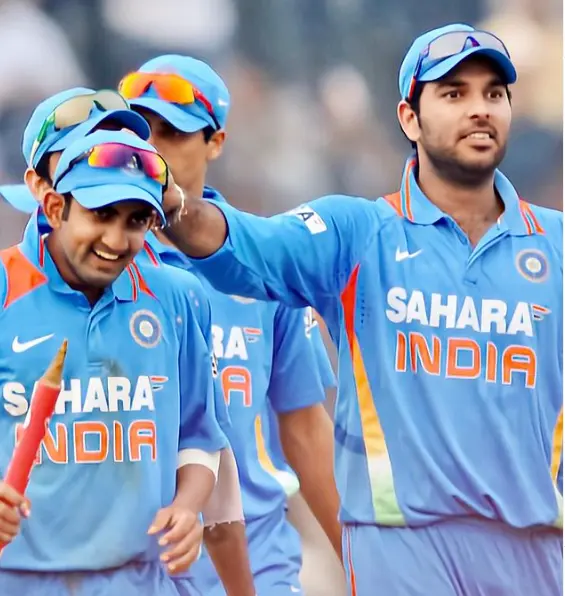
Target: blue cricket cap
[
  {"x": 57, "y": 140},
  {"x": 97, "y": 187},
  {"x": 442, "y": 67},
  {"x": 19, "y": 196},
  {"x": 191, "y": 117}
]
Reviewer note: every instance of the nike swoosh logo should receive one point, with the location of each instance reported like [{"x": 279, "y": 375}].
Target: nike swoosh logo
[
  {"x": 19, "y": 347},
  {"x": 402, "y": 255}
]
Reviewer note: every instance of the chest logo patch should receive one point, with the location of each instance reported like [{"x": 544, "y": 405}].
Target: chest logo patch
[
  {"x": 145, "y": 328},
  {"x": 532, "y": 265}
]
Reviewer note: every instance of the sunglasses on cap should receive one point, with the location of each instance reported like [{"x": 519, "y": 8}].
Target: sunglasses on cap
[
  {"x": 451, "y": 44},
  {"x": 116, "y": 155},
  {"x": 77, "y": 110},
  {"x": 169, "y": 87}
]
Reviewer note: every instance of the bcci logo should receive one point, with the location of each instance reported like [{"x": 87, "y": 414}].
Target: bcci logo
[
  {"x": 532, "y": 264},
  {"x": 145, "y": 328}
]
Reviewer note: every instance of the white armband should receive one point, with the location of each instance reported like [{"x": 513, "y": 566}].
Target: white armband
[{"x": 203, "y": 458}]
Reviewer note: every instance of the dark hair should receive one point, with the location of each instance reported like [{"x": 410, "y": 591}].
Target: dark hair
[
  {"x": 68, "y": 200},
  {"x": 42, "y": 168},
  {"x": 208, "y": 133}
]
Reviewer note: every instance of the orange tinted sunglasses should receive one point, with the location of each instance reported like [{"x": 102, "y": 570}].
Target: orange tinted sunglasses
[{"x": 169, "y": 87}]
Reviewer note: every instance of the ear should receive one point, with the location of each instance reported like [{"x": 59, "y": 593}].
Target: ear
[
  {"x": 408, "y": 120},
  {"x": 35, "y": 183},
  {"x": 154, "y": 221},
  {"x": 216, "y": 145},
  {"x": 53, "y": 208}
]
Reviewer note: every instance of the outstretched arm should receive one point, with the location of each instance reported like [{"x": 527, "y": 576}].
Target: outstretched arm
[{"x": 302, "y": 257}]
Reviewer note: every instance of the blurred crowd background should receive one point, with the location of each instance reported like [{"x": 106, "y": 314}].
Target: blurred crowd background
[{"x": 313, "y": 84}]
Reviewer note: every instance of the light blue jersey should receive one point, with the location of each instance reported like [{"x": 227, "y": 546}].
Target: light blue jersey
[
  {"x": 450, "y": 356},
  {"x": 137, "y": 389},
  {"x": 263, "y": 349}
]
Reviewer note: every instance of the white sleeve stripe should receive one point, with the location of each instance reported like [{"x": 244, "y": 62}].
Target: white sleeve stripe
[{"x": 203, "y": 458}]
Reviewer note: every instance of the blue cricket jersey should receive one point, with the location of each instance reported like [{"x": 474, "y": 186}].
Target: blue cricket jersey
[
  {"x": 137, "y": 389},
  {"x": 262, "y": 349},
  {"x": 450, "y": 356}
]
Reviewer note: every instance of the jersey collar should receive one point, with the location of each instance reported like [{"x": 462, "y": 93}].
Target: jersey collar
[
  {"x": 33, "y": 246},
  {"x": 412, "y": 204}
]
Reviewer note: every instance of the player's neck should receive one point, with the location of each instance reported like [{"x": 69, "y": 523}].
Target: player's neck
[
  {"x": 475, "y": 208},
  {"x": 66, "y": 272}
]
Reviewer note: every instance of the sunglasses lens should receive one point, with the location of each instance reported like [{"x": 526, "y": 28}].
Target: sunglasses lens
[
  {"x": 78, "y": 109},
  {"x": 459, "y": 41},
  {"x": 114, "y": 155},
  {"x": 169, "y": 87},
  {"x": 134, "y": 85}
]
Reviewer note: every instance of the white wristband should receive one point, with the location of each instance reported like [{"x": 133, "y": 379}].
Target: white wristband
[{"x": 203, "y": 458}]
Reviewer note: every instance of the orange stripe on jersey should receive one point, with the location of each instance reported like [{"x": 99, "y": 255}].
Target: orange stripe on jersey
[
  {"x": 557, "y": 446},
  {"x": 22, "y": 277},
  {"x": 151, "y": 254},
  {"x": 407, "y": 198},
  {"x": 262, "y": 454},
  {"x": 373, "y": 435},
  {"x": 133, "y": 283},
  {"x": 525, "y": 218},
  {"x": 251, "y": 331},
  {"x": 394, "y": 201},
  {"x": 41, "y": 252},
  {"x": 352, "y": 578},
  {"x": 143, "y": 287},
  {"x": 528, "y": 209}
]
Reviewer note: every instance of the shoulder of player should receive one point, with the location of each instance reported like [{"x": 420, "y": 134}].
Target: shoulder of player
[
  {"x": 549, "y": 219},
  {"x": 18, "y": 276},
  {"x": 339, "y": 210},
  {"x": 549, "y": 222}
]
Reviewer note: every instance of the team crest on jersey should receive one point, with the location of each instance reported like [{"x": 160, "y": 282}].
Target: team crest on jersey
[
  {"x": 532, "y": 264},
  {"x": 145, "y": 328},
  {"x": 242, "y": 299}
]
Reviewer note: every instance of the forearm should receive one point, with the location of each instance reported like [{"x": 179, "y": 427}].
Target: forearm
[
  {"x": 195, "y": 483},
  {"x": 196, "y": 227},
  {"x": 307, "y": 441},
  {"x": 226, "y": 544}
]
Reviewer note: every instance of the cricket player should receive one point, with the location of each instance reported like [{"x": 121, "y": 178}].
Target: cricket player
[
  {"x": 445, "y": 302},
  {"x": 54, "y": 124},
  {"x": 271, "y": 357},
  {"x": 133, "y": 449}
]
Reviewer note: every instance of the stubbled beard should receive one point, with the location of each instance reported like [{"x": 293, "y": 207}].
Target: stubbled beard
[{"x": 463, "y": 173}]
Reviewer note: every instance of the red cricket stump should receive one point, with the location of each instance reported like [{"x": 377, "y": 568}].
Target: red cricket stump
[{"x": 41, "y": 408}]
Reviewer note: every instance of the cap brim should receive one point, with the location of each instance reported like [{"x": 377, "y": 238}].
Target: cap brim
[
  {"x": 174, "y": 115},
  {"x": 94, "y": 197},
  {"x": 128, "y": 118},
  {"x": 440, "y": 70},
  {"x": 20, "y": 197}
]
